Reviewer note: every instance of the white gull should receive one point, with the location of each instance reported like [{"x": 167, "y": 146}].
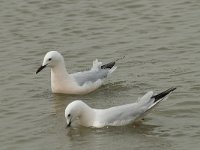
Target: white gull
[
  {"x": 79, "y": 113},
  {"x": 76, "y": 83}
]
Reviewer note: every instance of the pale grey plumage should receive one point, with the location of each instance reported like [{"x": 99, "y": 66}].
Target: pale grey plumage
[
  {"x": 114, "y": 116},
  {"x": 90, "y": 76},
  {"x": 76, "y": 83}
]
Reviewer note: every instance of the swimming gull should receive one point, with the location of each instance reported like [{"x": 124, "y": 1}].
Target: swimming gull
[
  {"x": 79, "y": 113},
  {"x": 76, "y": 83}
]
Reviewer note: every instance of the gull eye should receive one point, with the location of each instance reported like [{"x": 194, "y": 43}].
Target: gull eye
[
  {"x": 49, "y": 59},
  {"x": 68, "y": 115}
]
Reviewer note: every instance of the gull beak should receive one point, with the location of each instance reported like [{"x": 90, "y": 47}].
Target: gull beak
[
  {"x": 68, "y": 124},
  {"x": 40, "y": 68}
]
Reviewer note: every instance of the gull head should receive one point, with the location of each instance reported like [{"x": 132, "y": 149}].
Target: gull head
[
  {"x": 51, "y": 59},
  {"x": 75, "y": 112}
]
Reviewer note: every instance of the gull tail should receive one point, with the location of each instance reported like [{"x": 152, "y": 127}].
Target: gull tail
[
  {"x": 162, "y": 95},
  {"x": 108, "y": 65},
  {"x": 151, "y": 100},
  {"x": 111, "y": 66}
]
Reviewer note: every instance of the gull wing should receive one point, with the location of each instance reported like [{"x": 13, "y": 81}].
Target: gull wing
[
  {"x": 89, "y": 76},
  {"x": 97, "y": 72},
  {"x": 126, "y": 114}
]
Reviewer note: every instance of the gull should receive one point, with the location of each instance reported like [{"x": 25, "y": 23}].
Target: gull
[
  {"x": 76, "y": 83},
  {"x": 78, "y": 113}
]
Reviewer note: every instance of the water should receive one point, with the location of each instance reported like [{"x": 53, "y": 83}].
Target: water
[{"x": 160, "y": 40}]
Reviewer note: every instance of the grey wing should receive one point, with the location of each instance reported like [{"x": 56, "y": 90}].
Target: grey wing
[
  {"x": 89, "y": 76},
  {"x": 154, "y": 101},
  {"x": 122, "y": 115}
]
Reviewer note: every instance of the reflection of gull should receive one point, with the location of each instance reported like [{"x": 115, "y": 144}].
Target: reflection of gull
[
  {"x": 79, "y": 112},
  {"x": 76, "y": 83}
]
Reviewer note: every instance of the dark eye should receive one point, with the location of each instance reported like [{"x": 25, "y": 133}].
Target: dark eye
[
  {"x": 68, "y": 115},
  {"x": 49, "y": 59}
]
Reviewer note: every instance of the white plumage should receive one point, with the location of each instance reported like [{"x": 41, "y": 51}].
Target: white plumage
[
  {"x": 76, "y": 83},
  {"x": 80, "y": 113}
]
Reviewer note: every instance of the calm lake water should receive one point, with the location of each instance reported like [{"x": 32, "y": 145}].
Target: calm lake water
[{"x": 161, "y": 42}]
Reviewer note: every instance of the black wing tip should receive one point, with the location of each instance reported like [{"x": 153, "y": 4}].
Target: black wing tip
[
  {"x": 163, "y": 94},
  {"x": 170, "y": 89},
  {"x": 108, "y": 65},
  {"x": 111, "y": 64}
]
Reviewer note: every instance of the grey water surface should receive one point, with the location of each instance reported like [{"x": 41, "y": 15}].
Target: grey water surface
[{"x": 160, "y": 40}]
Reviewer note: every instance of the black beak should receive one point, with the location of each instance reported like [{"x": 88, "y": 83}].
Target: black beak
[
  {"x": 40, "y": 68},
  {"x": 68, "y": 124}
]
